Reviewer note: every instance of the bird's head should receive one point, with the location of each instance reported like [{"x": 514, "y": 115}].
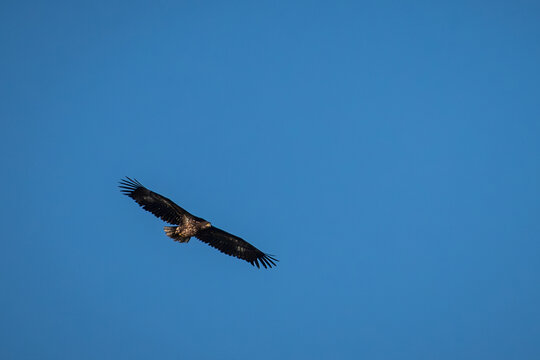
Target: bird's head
[{"x": 206, "y": 225}]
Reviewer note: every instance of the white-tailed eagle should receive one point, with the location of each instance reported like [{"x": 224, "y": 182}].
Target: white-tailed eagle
[{"x": 188, "y": 225}]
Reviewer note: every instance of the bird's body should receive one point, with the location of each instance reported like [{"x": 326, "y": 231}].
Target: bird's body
[{"x": 188, "y": 225}]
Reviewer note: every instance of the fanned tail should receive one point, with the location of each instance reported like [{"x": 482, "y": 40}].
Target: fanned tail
[{"x": 170, "y": 231}]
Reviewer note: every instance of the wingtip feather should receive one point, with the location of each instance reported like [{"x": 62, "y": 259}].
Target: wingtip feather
[{"x": 129, "y": 185}]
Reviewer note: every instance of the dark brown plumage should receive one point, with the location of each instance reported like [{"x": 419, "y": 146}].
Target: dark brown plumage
[{"x": 189, "y": 225}]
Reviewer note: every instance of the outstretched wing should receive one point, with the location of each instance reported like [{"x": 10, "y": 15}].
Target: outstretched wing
[
  {"x": 150, "y": 201},
  {"x": 234, "y": 246}
]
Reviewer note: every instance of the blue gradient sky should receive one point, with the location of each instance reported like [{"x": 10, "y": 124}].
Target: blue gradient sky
[{"x": 388, "y": 153}]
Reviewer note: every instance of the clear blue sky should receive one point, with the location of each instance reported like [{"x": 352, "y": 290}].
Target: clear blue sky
[{"x": 387, "y": 152}]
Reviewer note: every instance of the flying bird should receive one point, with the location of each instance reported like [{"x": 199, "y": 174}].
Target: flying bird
[{"x": 188, "y": 225}]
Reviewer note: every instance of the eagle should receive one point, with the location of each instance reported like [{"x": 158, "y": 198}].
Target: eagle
[{"x": 188, "y": 225}]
